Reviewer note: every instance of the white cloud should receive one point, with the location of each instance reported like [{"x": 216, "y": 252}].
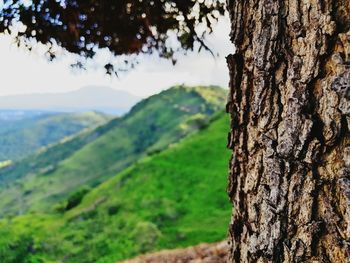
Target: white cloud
[{"x": 24, "y": 72}]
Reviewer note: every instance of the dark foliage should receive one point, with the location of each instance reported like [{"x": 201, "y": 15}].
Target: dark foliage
[
  {"x": 123, "y": 26},
  {"x": 76, "y": 198}
]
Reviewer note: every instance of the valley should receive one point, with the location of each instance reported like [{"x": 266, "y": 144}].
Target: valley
[{"x": 134, "y": 185}]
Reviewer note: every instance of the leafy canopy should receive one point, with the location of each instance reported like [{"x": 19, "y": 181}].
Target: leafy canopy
[{"x": 123, "y": 26}]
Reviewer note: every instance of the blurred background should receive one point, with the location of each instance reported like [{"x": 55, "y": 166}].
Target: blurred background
[{"x": 102, "y": 166}]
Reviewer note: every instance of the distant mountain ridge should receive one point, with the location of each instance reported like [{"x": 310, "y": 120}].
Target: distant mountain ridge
[{"x": 89, "y": 98}]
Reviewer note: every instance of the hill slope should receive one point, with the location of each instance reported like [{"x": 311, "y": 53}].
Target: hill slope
[
  {"x": 21, "y": 137},
  {"x": 151, "y": 126},
  {"x": 46, "y": 159},
  {"x": 172, "y": 199}
]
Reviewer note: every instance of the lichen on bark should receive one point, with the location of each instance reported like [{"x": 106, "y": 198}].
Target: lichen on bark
[{"x": 289, "y": 103}]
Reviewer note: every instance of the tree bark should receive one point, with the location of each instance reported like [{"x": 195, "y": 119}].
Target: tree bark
[{"x": 289, "y": 104}]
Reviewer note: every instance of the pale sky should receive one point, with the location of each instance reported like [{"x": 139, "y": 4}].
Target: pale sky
[{"x": 23, "y": 72}]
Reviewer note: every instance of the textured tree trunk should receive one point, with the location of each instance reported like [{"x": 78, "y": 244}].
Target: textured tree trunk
[{"x": 290, "y": 110}]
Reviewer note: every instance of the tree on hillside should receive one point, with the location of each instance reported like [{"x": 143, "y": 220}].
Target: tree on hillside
[{"x": 289, "y": 104}]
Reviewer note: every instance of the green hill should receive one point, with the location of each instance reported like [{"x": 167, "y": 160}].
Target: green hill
[
  {"x": 19, "y": 138},
  {"x": 175, "y": 198},
  {"x": 151, "y": 126},
  {"x": 47, "y": 158}
]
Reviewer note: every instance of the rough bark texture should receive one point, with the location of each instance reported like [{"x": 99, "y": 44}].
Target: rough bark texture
[{"x": 290, "y": 109}]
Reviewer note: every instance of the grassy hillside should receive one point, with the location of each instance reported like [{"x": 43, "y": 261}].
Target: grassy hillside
[
  {"x": 47, "y": 158},
  {"x": 175, "y": 198},
  {"x": 19, "y": 138},
  {"x": 151, "y": 126}
]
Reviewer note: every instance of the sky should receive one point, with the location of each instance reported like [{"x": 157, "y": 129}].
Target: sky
[{"x": 24, "y": 72}]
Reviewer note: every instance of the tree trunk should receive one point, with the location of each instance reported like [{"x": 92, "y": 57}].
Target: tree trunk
[{"x": 290, "y": 116}]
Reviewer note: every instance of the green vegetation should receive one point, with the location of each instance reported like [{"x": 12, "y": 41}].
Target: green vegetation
[
  {"x": 172, "y": 199},
  {"x": 76, "y": 198},
  {"x": 20, "y": 138},
  {"x": 51, "y": 176},
  {"x": 47, "y": 158}
]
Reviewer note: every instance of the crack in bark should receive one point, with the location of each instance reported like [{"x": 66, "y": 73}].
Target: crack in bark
[{"x": 290, "y": 112}]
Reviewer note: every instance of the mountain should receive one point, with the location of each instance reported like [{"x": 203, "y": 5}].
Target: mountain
[
  {"x": 91, "y": 98},
  {"x": 151, "y": 126},
  {"x": 175, "y": 198},
  {"x": 22, "y": 133}
]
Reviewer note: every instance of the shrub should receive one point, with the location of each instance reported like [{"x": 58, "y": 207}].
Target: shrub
[
  {"x": 146, "y": 235},
  {"x": 76, "y": 198},
  {"x": 114, "y": 209},
  {"x": 60, "y": 207},
  {"x": 17, "y": 250}
]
